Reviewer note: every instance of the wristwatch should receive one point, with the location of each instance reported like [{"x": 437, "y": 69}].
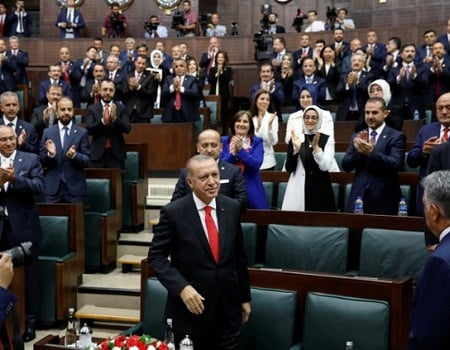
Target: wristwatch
[{"x": 168, "y": 4}]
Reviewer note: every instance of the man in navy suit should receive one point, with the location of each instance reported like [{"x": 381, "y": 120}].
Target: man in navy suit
[
  {"x": 8, "y": 67},
  {"x": 231, "y": 180},
  {"x": 117, "y": 75},
  {"x": 206, "y": 277},
  {"x": 70, "y": 21},
  {"x": 186, "y": 87},
  {"x": 21, "y": 178},
  {"x": 424, "y": 52},
  {"x": 352, "y": 90},
  {"x": 27, "y": 140},
  {"x": 54, "y": 78},
  {"x": 445, "y": 38},
  {"x": 106, "y": 122},
  {"x": 64, "y": 152},
  {"x": 430, "y": 319},
  {"x": 376, "y": 154},
  {"x": 309, "y": 78},
  {"x": 341, "y": 47},
  {"x": 22, "y": 60},
  {"x": 68, "y": 73},
  {"x": 304, "y": 51},
  {"x": 19, "y": 21},
  {"x": 274, "y": 88},
  {"x": 376, "y": 50},
  {"x": 274, "y": 28}
]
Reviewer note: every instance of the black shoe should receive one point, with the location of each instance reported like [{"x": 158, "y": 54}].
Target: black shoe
[{"x": 29, "y": 335}]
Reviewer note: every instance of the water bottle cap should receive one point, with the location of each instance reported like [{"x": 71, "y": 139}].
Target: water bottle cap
[{"x": 349, "y": 343}]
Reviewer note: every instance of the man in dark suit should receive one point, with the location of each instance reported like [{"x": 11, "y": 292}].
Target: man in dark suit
[
  {"x": 231, "y": 180},
  {"x": 376, "y": 154},
  {"x": 376, "y": 50},
  {"x": 27, "y": 140},
  {"x": 139, "y": 92},
  {"x": 207, "y": 59},
  {"x": 435, "y": 76},
  {"x": 21, "y": 178},
  {"x": 304, "y": 51},
  {"x": 8, "y": 67},
  {"x": 424, "y": 52},
  {"x": 64, "y": 152},
  {"x": 54, "y": 78},
  {"x": 206, "y": 277},
  {"x": 68, "y": 73},
  {"x": 308, "y": 77},
  {"x": 274, "y": 28},
  {"x": 128, "y": 56},
  {"x": 430, "y": 319},
  {"x": 70, "y": 21},
  {"x": 352, "y": 90},
  {"x": 19, "y": 21},
  {"x": 180, "y": 95},
  {"x": 274, "y": 88},
  {"x": 341, "y": 47},
  {"x": 106, "y": 122},
  {"x": 445, "y": 38},
  {"x": 45, "y": 115},
  {"x": 91, "y": 92},
  {"x": 117, "y": 75},
  {"x": 429, "y": 137},
  {"x": 22, "y": 60}
]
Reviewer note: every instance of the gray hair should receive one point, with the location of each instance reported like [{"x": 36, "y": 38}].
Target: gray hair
[
  {"x": 8, "y": 94},
  {"x": 437, "y": 191},
  {"x": 198, "y": 158}
]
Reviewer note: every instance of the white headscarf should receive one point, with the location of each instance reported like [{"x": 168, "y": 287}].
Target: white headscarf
[
  {"x": 152, "y": 55},
  {"x": 319, "y": 121},
  {"x": 383, "y": 84}
]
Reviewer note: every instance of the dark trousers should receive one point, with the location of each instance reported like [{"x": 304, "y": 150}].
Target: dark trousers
[{"x": 108, "y": 161}]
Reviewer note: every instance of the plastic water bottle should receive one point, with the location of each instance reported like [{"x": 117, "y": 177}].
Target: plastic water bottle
[
  {"x": 348, "y": 345},
  {"x": 85, "y": 337},
  {"x": 71, "y": 330},
  {"x": 169, "y": 337},
  {"x": 416, "y": 115},
  {"x": 359, "y": 206},
  {"x": 186, "y": 343},
  {"x": 402, "y": 207}
]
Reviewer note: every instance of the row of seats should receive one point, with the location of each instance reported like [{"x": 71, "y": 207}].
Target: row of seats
[
  {"x": 329, "y": 321},
  {"x": 280, "y": 158},
  {"x": 275, "y": 195},
  {"x": 325, "y": 249}
]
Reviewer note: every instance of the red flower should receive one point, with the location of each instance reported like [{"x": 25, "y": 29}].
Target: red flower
[
  {"x": 163, "y": 346},
  {"x": 120, "y": 341},
  {"x": 133, "y": 341}
]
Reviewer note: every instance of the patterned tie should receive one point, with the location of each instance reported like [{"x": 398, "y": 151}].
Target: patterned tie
[
  {"x": 107, "y": 122},
  {"x": 177, "y": 100},
  {"x": 213, "y": 234},
  {"x": 373, "y": 137},
  {"x": 111, "y": 76},
  {"x": 407, "y": 72},
  {"x": 445, "y": 135}
]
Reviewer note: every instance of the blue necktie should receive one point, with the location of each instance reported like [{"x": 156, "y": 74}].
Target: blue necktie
[{"x": 66, "y": 136}]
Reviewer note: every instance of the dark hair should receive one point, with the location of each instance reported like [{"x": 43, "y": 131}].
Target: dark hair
[
  {"x": 396, "y": 40},
  {"x": 407, "y": 45},
  {"x": 429, "y": 31},
  {"x": 282, "y": 40},
  {"x": 225, "y": 55},
  {"x": 377, "y": 99},
  {"x": 312, "y": 11},
  {"x": 253, "y": 108},
  {"x": 98, "y": 38},
  {"x": 265, "y": 63},
  {"x": 251, "y": 130},
  {"x": 114, "y": 4},
  {"x": 343, "y": 9},
  {"x": 327, "y": 46}
]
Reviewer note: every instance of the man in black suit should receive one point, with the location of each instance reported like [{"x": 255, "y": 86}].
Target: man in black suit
[
  {"x": 54, "y": 78},
  {"x": 19, "y": 21},
  {"x": 8, "y": 64},
  {"x": 21, "y": 178},
  {"x": 231, "y": 180},
  {"x": 116, "y": 74},
  {"x": 206, "y": 277},
  {"x": 445, "y": 38},
  {"x": 376, "y": 51},
  {"x": 424, "y": 52},
  {"x": 106, "y": 122},
  {"x": 22, "y": 60},
  {"x": 139, "y": 92},
  {"x": 274, "y": 28},
  {"x": 376, "y": 155},
  {"x": 304, "y": 51},
  {"x": 91, "y": 92},
  {"x": 180, "y": 95},
  {"x": 341, "y": 47}
]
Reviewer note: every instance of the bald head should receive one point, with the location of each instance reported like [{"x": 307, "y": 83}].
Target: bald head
[{"x": 209, "y": 143}]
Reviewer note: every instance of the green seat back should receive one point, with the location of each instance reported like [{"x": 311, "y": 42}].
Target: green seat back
[
  {"x": 55, "y": 236},
  {"x": 280, "y": 158},
  {"x": 407, "y": 168},
  {"x": 320, "y": 249},
  {"x": 331, "y": 320},
  {"x": 131, "y": 166},
  {"x": 339, "y": 156},
  {"x": 406, "y": 193},
  {"x": 153, "y": 322},
  {"x": 268, "y": 189},
  {"x": 98, "y": 197},
  {"x": 250, "y": 233},
  {"x": 212, "y": 105},
  {"x": 392, "y": 253},
  {"x": 272, "y": 322}
]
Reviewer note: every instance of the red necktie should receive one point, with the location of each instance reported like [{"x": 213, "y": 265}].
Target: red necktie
[
  {"x": 66, "y": 73},
  {"x": 107, "y": 121},
  {"x": 177, "y": 100},
  {"x": 445, "y": 135},
  {"x": 213, "y": 234}
]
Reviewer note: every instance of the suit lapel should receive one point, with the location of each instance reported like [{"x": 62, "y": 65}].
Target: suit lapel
[
  {"x": 197, "y": 227},
  {"x": 381, "y": 142}
]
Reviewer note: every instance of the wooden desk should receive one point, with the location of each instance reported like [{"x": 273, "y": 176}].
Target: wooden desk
[{"x": 51, "y": 342}]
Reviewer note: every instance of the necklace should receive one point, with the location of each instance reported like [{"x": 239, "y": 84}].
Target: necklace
[{"x": 309, "y": 141}]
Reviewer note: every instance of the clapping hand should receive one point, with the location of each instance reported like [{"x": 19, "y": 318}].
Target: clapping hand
[{"x": 296, "y": 143}]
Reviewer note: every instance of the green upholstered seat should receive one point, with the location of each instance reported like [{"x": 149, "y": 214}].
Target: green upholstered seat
[
  {"x": 97, "y": 207},
  {"x": 280, "y": 158},
  {"x": 339, "y": 156},
  {"x": 269, "y": 189},
  {"x": 152, "y": 322},
  {"x": 331, "y": 320},
  {"x": 250, "y": 233},
  {"x": 320, "y": 249},
  {"x": 54, "y": 250},
  {"x": 130, "y": 181},
  {"x": 407, "y": 168},
  {"x": 272, "y": 322},
  {"x": 392, "y": 253}
]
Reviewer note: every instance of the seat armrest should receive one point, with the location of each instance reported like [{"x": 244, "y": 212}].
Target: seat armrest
[{"x": 136, "y": 329}]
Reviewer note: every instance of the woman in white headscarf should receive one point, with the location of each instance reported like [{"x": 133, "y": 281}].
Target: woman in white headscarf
[
  {"x": 309, "y": 159},
  {"x": 159, "y": 72}
]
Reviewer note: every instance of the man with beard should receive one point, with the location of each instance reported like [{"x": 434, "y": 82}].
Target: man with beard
[
  {"x": 106, "y": 122},
  {"x": 64, "y": 153}
]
